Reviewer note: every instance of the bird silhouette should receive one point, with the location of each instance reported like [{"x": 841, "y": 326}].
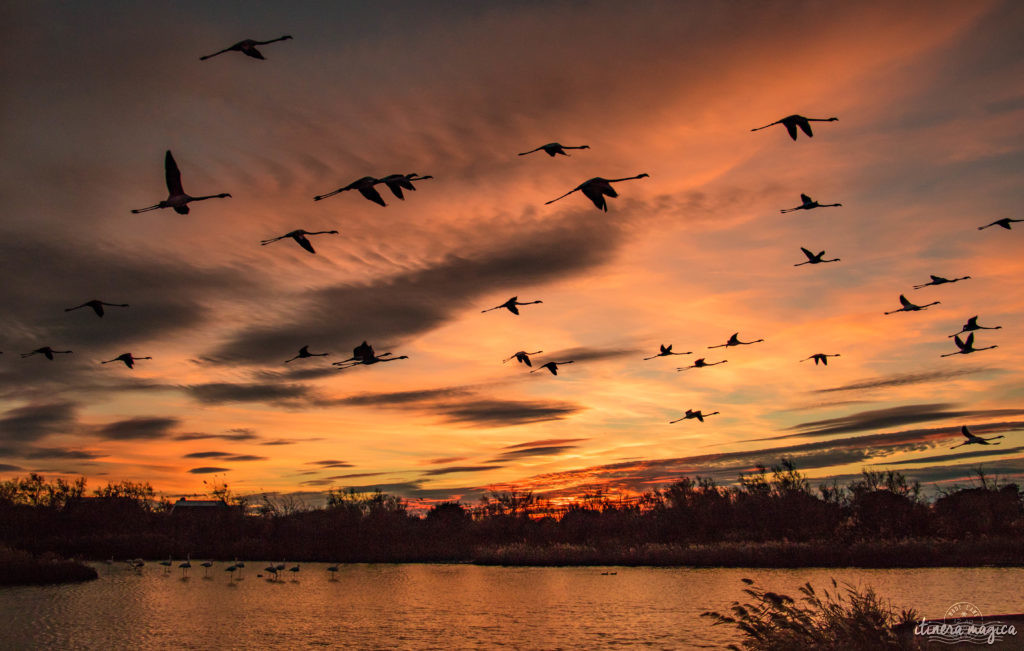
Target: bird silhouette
[
  {"x": 304, "y": 353},
  {"x": 700, "y": 363},
  {"x": 206, "y": 565},
  {"x": 167, "y": 564},
  {"x": 820, "y": 357},
  {"x": 186, "y": 565},
  {"x": 46, "y": 352},
  {"x": 128, "y": 359},
  {"x": 333, "y": 569},
  {"x": 910, "y": 307},
  {"x": 176, "y": 197},
  {"x": 666, "y": 351},
  {"x": 1004, "y": 222},
  {"x": 363, "y": 354},
  {"x": 397, "y": 182},
  {"x": 966, "y": 347},
  {"x": 552, "y": 366},
  {"x": 972, "y": 324},
  {"x": 300, "y": 237},
  {"x": 510, "y": 305},
  {"x": 96, "y": 305},
  {"x": 814, "y": 258},
  {"x": 939, "y": 280},
  {"x": 791, "y": 122},
  {"x": 232, "y": 569},
  {"x": 809, "y": 204},
  {"x": 553, "y": 148},
  {"x": 522, "y": 357},
  {"x": 690, "y": 413},
  {"x": 734, "y": 340},
  {"x": 247, "y": 47},
  {"x": 974, "y": 438},
  {"x": 597, "y": 188},
  {"x": 364, "y": 186}
]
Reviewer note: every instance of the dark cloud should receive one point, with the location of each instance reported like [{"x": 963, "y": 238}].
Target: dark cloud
[
  {"x": 59, "y": 453},
  {"x": 585, "y": 354},
  {"x": 207, "y": 470},
  {"x": 137, "y": 428},
  {"x": 399, "y": 398},
  {"x": 357, "y": 474},
  {"x": 226, "y": 456},
  {"x": 36, "y": 421},
  {"x": 289, "y": 441},
  {"x": 454, "y": 469},
  {"x": 244, "y": 457},
  {"x": 231, "y": 435},
  {"x": 226, "y": 392},
  {"x": 997, "y": 451},
  {"x": 504, "y": 413},
  {"x": 441, "y": 460},
  {"x": 903, "y": 379},
  {"x": 540, "y": 451},
  {"x": 316, "y": 482},
  {"x": 330, "y": 463},
  {"x": 531, "y": 444},
  {"x": 6, "y": 467}
]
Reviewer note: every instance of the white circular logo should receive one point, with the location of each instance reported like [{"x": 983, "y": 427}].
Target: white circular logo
[{"x": 962, "y": 609}]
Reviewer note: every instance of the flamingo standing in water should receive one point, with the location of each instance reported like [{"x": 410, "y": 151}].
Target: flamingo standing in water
[
  {"x": 176, "y": 197},
  {"x": 186, "y": 565},
  {"x": 734, "y": 340},
  {"x": 247, "y": 47},
  {"x": 809, "y": 204},
  {"x": 46, "y": 352},
  {"x": 910, "y": 307},
  {"x": 690, "y": 413},
  {"x": 1004, "y": 222},
  {"x": 814, "y": 258},
  {"x": 972, "y": 325},
  {"x": 597, "y": 188},
  {"x": 820, "y": 357},
  {"x": 974, "y": 438},
  {"x": 167, "y": 564},
  {"x": 552, "y": 366},
  {"x": 364, "y": 186},
  {"x": 939, "y": 280},
  {"x": 510, "y": 305},
  {"x": 397, "y": 182},
  {"x": 553, "y": 148},
  {"x": 304, "y": 353},
  {"x": 666, "y": 351},
  {"x": 522, "y": 357},
  {"x": 966, "y": 347},
  {"x": 791, "y": 122},
  {"x": 128, "y": 359},
  {"x": 333, "y": 569},
  {"x": 700, "y": 363},
  {"x": 300, "y": 237},
  {"x": 97, "y": 306}
]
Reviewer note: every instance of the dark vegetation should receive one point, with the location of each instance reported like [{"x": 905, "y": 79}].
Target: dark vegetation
[
  {"x": 771, "y": 518},
  {"x": 21, "y": 568}
]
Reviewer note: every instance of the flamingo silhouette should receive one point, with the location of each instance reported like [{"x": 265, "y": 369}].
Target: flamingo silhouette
[
  {"x": 966, "y": 347},
  {"x": 167, "y": 564},
  {"x": 972, "y": 324},
  {"x": 700, "y": 363},
  {"x": 510, "y": 305},
  {"x": 597, "y": 188},
  {"x": 206, "y": 568},
  {"x": 96, "y": 305},
  {"x": 522, "y": 357},
  {"x": 910, "y": 307},
  {"x": 127, "y": 358},
  {"x": 304, "y": 353},
  {"x": 231, "y": 569},
  {"x": 554, "y": 148},
  {"x": 939, "y": 280},
  {"x": 666, "y": 351},
  {"x": 974, "y": 438},
  {"x": 363, "y": 185},
  {"x": 176, "y": 197},
  {"x": 396, "y": 182},
  {"x": 814, "y": 258},
  {"x": 791, "y": 122},
  {"x": 820, "y": 357},
  {"x": 300, "y": 237},
  {"x": 690, "y": 413},
  {"x": 734, "y": 340},
  {"x": 186, "y": 565},
  {"x": 1004, "y": 222},
  {"x": 363, "y": 354},
  {"x": 552, "y": 366},
  {"x": 247, "y": 47},
  {"x": 809, "y": 204},
  {"x": 333, "y": 569},
  {"x": 46, "y": 352}
]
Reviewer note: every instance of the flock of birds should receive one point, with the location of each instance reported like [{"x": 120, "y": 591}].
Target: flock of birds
[{"x": 274, "y": 572}]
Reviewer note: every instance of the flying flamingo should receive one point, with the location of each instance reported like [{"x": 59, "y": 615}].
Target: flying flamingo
[
  {"x": 597, "y": 188},
  {"x": 127, "y": 358},
  {"x": 910, "y": 307},
  {"x": 304, "y": 353},
  {"x": 809, "y": 204},
  {"x": 97, "y": 306},
  {"x": 972, "y": 324},
  {"x": 363, "y": 185},
  {"x": 396, "y": 182},
  {"x": 939, "y": 280},
  {"x": 821, "y": 357},
  {"x": 363, "y": 354},
  {"x": 552, "y": 366},
  {"x": 700, "y": 363},
  {"x": 966, "y": 347},
  {"x": 693, "y": 414},
  {"x": 814, "y": 259},
  {"x": 734, "y": 340},
  {"x": 247, "y": 47},
  {"x": 523, "y": 357},
  {"x": 666, "y": 351},
  {"x": 553, "y": 148},
  {"x": 46, "y": 352},
  {"x": 1004, "y": 222},
  {"x": 176, "y": 197},
  {"x": 300, "y": 237},
  {"x": 510, "y": 305},
  {"x": 974, "y": 438},
  {"x": 791, "y": 122}
]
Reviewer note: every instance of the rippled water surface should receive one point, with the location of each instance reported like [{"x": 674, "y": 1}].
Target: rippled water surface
[{"x": 440, "y": 606}]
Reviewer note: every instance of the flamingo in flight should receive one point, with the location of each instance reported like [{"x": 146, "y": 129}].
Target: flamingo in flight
[
  {"x": 397, "y": 182},
  {"x": 734, "y": 340},
  {"x": 690, "y": 413},
  {"x": 666, "y": 351},
  {"x": 597, "y": 188},
  {"x": 700, "y": 363},
  {"x": 97, "y": 306},
  {"x": 176, "y": 197},
  {"x": 972, "y": 325},
  {"x": 814, "y": 258},
  {"x": 809, "y": 204},
  {"x": 966, "y": 347},
  {"x": 552, "y": 366},
  {"x": 510, "y": 305},
  {"x": 820, "y": 357},
  {"x": 553, "y": 148},
  {"x": 365, "y": 188},
  {"x": 1004, "y": 222},
  {"x": 939, "y": 280},
  {"x": 300, "y": 237},
  {"x": 910, "y": 307},
  {"x": 791, "y": 122},
  {"x": 46, "y": 352},
  {"x": 247, "y": 47},
  {"x": 304, "y": 353},
  {"x": 974, "y": 438},
  {"x": 363, "y": 354},
  {"x": 128, "y": 359},
  {"x": 523, "y": 357}
]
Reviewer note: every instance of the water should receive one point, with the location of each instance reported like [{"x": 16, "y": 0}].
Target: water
[{"x": 441, "y": 606}]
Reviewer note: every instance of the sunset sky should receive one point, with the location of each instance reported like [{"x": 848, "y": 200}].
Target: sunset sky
[{"x": 929, "y": 145}]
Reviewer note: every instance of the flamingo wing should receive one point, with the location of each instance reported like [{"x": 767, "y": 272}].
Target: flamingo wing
[
  {"x": 304, "y": 243},
  {"x": 805, "y": 126},
  {"x": 791, "y": 128},
  {"x": 372, "y": 194},
  {"x": 806, "y": 199},
  {"x": 172, "y": 175},
  {"x": 810, "y": 256},
  {"x": 904, "y": 302}
]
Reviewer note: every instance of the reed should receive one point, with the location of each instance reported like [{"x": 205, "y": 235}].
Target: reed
[{"x": 21, "y": 568}]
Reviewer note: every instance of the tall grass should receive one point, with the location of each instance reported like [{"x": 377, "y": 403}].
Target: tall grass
[{"x": 18, "y": 568}]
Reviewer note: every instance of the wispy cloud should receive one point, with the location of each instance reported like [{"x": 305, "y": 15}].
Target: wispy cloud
[
  {"x": 138, "y": 428},
  {"x": 903, "y": 379}
]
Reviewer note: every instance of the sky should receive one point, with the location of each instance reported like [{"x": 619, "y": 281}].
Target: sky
[{"x": 927, "y": 147}]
